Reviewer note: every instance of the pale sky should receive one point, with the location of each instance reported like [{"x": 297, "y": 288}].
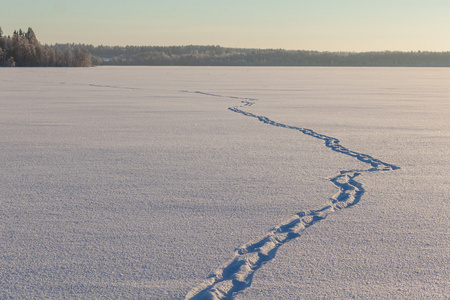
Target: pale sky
[{"x": 324, "y": 25}]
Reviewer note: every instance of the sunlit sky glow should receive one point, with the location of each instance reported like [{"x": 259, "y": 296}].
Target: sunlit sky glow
[{"x": 325, "y": 25}]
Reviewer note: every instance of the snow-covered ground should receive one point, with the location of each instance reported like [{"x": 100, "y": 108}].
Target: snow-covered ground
[{"x": 174, "y": 182}]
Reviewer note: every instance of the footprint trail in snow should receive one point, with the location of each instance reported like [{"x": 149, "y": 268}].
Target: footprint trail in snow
[{"x": 237, "y": 274}]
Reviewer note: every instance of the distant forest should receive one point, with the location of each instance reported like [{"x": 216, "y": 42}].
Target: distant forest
[
  {"x": 220, "y": 56},
  {"x": 24, "y": 50}
]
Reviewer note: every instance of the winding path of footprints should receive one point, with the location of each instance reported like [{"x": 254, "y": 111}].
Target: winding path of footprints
[{"x": 237, "y": 274}]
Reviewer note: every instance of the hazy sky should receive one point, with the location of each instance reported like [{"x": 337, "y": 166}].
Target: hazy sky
[{"x": 334, "y": 25}]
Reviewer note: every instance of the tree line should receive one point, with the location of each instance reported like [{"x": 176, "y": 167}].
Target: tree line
[
  {"x": 221, "y": 56},
  {"x": 24, "y": 50}
]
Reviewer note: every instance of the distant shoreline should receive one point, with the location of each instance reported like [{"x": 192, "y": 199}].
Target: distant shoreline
[
  {"x": 24, "y": 50},
  {"x": 220, "y": 56}
]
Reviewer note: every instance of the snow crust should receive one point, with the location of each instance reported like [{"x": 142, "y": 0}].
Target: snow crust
[{"x": 118, "y": 183}]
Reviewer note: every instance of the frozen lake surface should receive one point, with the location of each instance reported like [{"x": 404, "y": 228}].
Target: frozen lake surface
[{"x": 225, "y": 182}]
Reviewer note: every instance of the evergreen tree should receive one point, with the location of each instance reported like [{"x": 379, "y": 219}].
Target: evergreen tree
[{"x": 24, "y": 50}]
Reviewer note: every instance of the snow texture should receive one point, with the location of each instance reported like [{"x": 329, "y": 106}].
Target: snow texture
[{"x": 139, "y": 183}]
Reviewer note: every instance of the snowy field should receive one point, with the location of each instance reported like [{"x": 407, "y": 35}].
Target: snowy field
[{"x": 217, "y": 182}]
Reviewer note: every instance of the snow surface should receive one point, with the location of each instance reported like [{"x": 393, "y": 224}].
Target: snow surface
[{"x": 140, "y": 183}]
